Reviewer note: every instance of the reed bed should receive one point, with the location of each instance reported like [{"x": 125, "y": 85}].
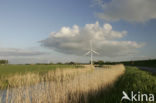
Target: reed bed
[{"x": 61, "y": 85}]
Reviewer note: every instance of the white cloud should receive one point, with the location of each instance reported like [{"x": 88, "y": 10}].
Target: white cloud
[
  {"x": 76, "y": 40},
  {"x": 67, "y": 32},
  {"x": 128, "y": 10}
]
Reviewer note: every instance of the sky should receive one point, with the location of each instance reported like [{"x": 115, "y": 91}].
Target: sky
[{"x": 41, "y": 31}]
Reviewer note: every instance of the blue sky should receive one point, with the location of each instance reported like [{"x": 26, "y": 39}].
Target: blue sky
[
  {"x": 23, "y": 23},
  {"x": 27, "y": 20}
]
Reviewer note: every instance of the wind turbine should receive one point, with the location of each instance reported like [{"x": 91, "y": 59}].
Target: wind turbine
[{"x": 91, "y": 52}]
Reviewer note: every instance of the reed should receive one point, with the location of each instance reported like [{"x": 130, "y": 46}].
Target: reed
[{"x": 61, "y": 85}]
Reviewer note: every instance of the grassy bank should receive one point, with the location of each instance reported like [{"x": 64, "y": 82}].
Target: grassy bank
[{"x": 133, "y": 80}]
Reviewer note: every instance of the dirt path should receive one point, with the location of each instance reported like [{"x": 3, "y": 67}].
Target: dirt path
[{"x": 149, "y": 69}]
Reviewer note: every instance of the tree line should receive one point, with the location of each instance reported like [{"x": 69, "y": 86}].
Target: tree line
[{"x": 4, "y": 61}]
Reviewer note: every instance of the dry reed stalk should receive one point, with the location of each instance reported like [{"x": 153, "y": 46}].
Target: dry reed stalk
[{"x": 67, "y": 86}]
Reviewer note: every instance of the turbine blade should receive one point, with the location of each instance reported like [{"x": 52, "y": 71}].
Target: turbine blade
[
  {"x": 95, "y": 52},
  {"x": 87, "y": 52}
]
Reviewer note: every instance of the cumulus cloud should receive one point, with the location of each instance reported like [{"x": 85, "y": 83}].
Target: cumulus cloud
[
  {"x": 18, "y": 52},
  {"x": 128, "y": 10},
  {"x": 76, "y": 40}
]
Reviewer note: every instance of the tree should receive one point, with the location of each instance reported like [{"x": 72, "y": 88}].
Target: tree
[{"x": 100, "y": 62}]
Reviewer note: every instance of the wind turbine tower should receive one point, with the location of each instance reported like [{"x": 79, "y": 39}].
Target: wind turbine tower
[{"x": 91, "y": 52}]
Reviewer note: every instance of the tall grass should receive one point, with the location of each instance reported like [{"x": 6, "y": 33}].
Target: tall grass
[
  {"x": 65, "y": 86},
  {"x": 17, "y": 75}
]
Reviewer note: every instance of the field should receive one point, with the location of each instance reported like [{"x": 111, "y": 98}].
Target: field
[
  {"x": 77, "y": 85},
  {"x": 12, "y": 69}
]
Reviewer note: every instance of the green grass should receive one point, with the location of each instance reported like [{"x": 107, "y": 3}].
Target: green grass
[
  {"x": 133, "y": 80},
  {"x": 13, "y": 69}
]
